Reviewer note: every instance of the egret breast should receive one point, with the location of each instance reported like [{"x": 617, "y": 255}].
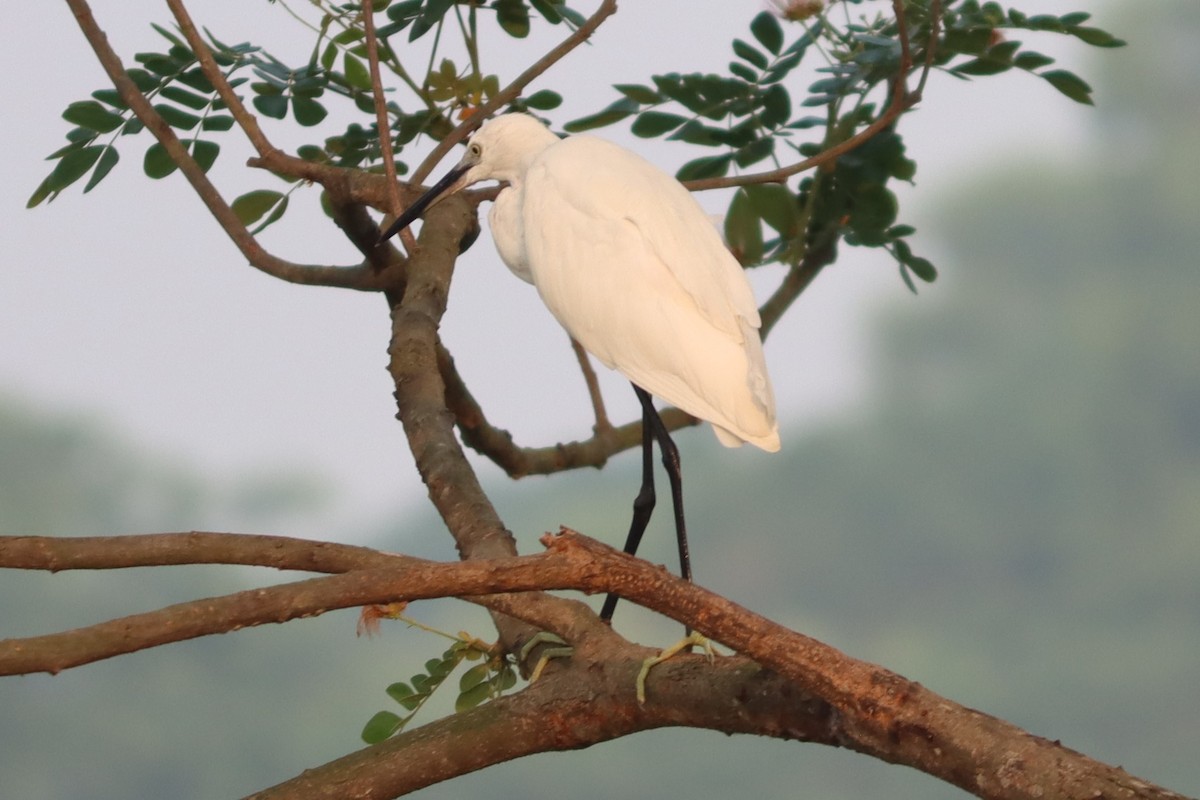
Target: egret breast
[{"x": 508, "y": 232}]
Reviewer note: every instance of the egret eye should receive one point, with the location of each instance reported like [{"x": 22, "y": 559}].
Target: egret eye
[{"x": 474, "y": 150}]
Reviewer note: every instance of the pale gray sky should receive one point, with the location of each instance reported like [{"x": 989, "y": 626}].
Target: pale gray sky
[{"x": 131, "y": 305}]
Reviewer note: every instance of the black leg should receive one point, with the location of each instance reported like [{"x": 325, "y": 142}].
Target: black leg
[
  {"x": 670, "y": 460},
  {"x": 653, "y": 428},
  {"x": 643, "y": 504}
]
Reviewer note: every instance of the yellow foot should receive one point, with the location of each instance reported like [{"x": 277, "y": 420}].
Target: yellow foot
[
  {"x": 564, "y": 650},
  {"x": 693, "y": 639}
]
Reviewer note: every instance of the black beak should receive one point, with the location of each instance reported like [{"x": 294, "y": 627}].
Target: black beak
[{"x": 414, "y": 211}]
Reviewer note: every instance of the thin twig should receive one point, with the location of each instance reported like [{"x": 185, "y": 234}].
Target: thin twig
[
  {"x": 208, "y": 65},
  {"x": 382, "y": 123},
  {"x": 901, "y": 101},
  {"x": 593, "y": 387},
  {"x": 935, "y": 24}
]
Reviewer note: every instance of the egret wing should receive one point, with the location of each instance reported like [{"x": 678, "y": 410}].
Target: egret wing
[{"x": 631, "y": 266}]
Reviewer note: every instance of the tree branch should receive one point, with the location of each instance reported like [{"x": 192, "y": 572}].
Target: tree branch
[
  {"x": 497, "y": 444},
  {"x": 569, "y": 709},
  {"x": 352, "y": 277},
  {"x": 421, "y": 399},
  {"x": 842, "y": 701},
  {"x": 208, "y": 65},
  {"x": 593, "y": 387},
  {"x": 405, "y": 578},
  {"x": 56, "y": 553},
  {"x": 901, "y": 101}
]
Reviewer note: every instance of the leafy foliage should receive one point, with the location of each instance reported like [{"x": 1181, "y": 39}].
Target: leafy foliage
[
  {"x": 491, "y": 676},
  {"x": 748, "y": 118}
]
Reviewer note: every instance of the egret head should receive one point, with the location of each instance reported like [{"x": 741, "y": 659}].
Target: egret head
[{"x": 501, "y": 150}]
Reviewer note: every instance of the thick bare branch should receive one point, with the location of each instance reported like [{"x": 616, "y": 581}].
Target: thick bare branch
[
  {"x": 875, "y": 711},
  {"x": 497, "y": 444},
  {"x": 56, "y": 553},
  {"x": 843, "y": 701},
  {"x": 571, "y": 708},
  {"x": 421, "y": 399},
  {"x": 407, "y": 579}
]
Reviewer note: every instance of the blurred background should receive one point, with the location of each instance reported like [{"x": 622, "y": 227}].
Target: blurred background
[{"x": 992, "y": 487}]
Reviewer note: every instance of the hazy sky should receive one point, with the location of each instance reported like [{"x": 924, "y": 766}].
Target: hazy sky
[{"x": 130, "y": 305}]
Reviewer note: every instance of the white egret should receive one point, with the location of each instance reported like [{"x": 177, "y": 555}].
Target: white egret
[{"x": 632, "y": 267}]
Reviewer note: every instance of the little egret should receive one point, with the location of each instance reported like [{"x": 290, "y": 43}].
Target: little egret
[{"x": 632, "y": 267}]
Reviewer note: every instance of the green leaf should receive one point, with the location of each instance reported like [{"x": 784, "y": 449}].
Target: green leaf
[
  {"x": 1030, "y": 60},
  {"x": 743, "y": 233},
  {"x": 1069, "y": 84},
  {"x": 767, "y": 31},
  {"x": 274, "y": 216},
  {"x": 705, "y": 167},
  {"x": 638, "y": 93},
  {"x": 995, "y": 60},
  {"x": 70, "y": 168},
  {"x": 74, "y": 165},
  {"x": 43, "y": 191},
  {"x": 777, "y": 106},
  {"x": 110, "y": 96},
  {"x": 196, "y": 79},
  {"x": 655, "y": 123},
  {"x": 742, "y": 71},
  {"x": 922, "y": 267},
  {"x": 205, "y": 153},
  {"x": 357, "y": 74},
  {"x": 613, "y": 113},
  {"x": 380, "y": 727},
  {"x": 544, "y": 100},
  {"x": 781, "y": 68},
  {"x": 184, "y": 97},
  {"x": 251, "y": 206},
  {"x": 217, "y": 122},
  {"x": 750, "y": 54},
  {"x": 329, "y": 54},
  {"x": 547, "y": 10},
  {"x": 308, "y": 112},
  {"x": 90, "y": 114},
  {"x": 696, "y": 132},
  {"x": 1096, "y": 37},
  {"x": 273, "y": 106},
  {"x": 472, "y": 697},
  {"x": 513, "y": 17},
  {"x": 873, "y": 211},
  {"x": 431, "y": 15},
  {"x": 754, "y": 152},
  {"x": 177, "y": 117},
  {"x": 156, "y": 163},
  {"x": 775, "y": 204},
  {"x": 473, "y": 677},
  {"x": 166, "y": 34},
  {"x": 439, "y": 668},
  {"x": 144, "y": 81},
  {"x": 108, "y": 159},
  {"x": 403, "y": 694}
]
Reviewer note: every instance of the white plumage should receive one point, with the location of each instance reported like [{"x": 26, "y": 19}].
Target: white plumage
[{"x": 630, "y": 265}]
